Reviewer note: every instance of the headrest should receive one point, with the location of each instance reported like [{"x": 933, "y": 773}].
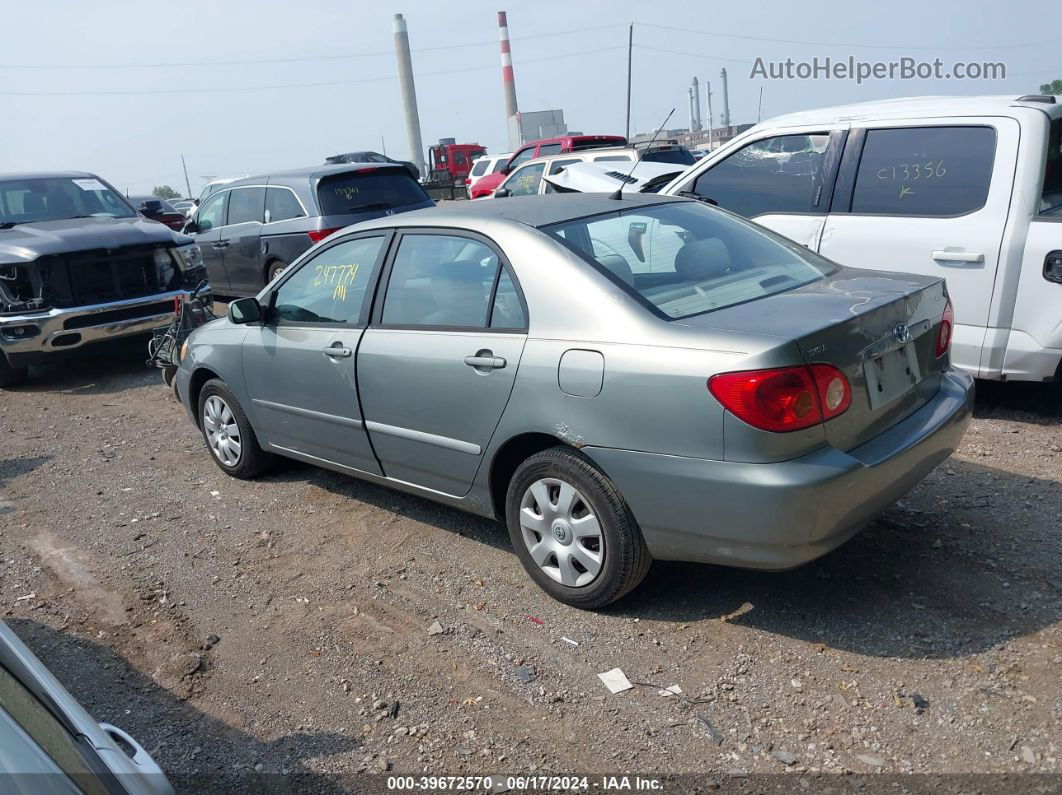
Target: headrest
[{"x": 699, "y": 260}]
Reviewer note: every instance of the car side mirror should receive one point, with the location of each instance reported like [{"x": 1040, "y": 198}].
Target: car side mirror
[
  {"x": 245, "y": 310},
  {"x": 501, "y": 193},
  {"x": 152, "y": 208},
  {"x": 190, "y": 227}
]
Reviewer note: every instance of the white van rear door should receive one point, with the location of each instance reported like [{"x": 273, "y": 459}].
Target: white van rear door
[{"x": 929, "y": 196}]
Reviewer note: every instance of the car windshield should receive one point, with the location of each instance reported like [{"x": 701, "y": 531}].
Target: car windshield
[
  {"x": 359, "y": 191},
  {"x": 677, "y": 154},
  {"x": 24, "y": 201},
  {"x": 684, "y": 258}
]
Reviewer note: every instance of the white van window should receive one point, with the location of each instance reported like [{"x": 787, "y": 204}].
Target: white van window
[
  {"x": 1051, "y": 199},
  {"x": 924, "y": 171}
]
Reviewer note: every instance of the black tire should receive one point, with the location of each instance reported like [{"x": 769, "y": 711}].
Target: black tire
[
  {"x": 273, "y": 269},
  {"x": 251, "y": 460},
  {"x": 625, "y": 560},
  {"x": 11, "y": 376}
]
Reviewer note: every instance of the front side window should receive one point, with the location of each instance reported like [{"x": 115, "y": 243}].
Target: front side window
[
  {"x": 39, "y": 741},
  {"x": 281, "y": 205},
  {"x": 25, "y": 201},
  {"x": 356, "y": 192},
  {"x": 924, "y": 171},
  {"x": 440, "y": 280},
  {"x": 212, "y": 212},
  {"x": 684, "y": 258},
  {"x": 525, "y": 181},
  {"x": 499, "y": 164},
  {"x": 330, "y": 288},
  {"x": 773, "y": 175},
  {"x": 246, "y": 204}
]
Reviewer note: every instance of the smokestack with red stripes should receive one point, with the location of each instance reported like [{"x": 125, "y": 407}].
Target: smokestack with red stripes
[{"x": 508, "y": 86}]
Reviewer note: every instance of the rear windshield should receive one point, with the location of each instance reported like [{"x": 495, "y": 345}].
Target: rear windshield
[
  {"x": 685, "y": 258},
  {"x": 682, "y": 157},
  {"x": 355, "y": 192}
]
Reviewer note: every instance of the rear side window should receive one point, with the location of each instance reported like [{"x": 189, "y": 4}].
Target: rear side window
[
  {"x": 782, "y": 174},
  {"x": 376, "y": 190},
  {"x": 1051, "y": 199},
  {"x": 281, "y": 205},
  {"x": 549, "y": 149},
  {"x": 440, "y": 280},
  {"x": 479, "y": 168},
  {"x": 246, "y": 204},
  {"x": 677, "y": 155},
  {"x": 924, "y": 171}
]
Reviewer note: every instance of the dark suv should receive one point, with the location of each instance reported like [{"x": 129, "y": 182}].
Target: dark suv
[
  {"x": 78, "y": 264},
  {"x": 251, "y": 229}
]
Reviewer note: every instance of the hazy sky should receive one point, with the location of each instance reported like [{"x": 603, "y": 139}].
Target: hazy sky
[{"x": 569, "y": 55}]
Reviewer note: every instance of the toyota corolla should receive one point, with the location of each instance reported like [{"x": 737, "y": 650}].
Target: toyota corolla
[{"x": 619, "y": 380}]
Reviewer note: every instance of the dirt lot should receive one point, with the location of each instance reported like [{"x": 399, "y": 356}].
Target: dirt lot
[{"x": 241, "y": 629}]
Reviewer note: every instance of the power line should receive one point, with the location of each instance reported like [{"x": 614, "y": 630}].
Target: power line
[
  {"x": 299, "y": 59},
  {"x": 716, "y": 34},
  {"x": 293, "y": 85}
]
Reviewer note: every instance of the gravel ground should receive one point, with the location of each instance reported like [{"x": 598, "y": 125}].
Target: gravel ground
[{"x": 289, "y": 625}]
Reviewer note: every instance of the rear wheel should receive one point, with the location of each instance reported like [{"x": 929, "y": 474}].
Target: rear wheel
[
  {"x": 274, "y": 269},
  {"x": 11, "y": 376},
  {"x": 228, "y": 433},
  {"x": 572, "y": 530}
]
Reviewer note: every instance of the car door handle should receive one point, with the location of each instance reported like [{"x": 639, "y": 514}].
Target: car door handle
[
  {"x": 337, "y": 352},
  {"x": 484, "y": 361},
  {"x": 944, "y": 255},
  {"x": 220, "y": 244}
]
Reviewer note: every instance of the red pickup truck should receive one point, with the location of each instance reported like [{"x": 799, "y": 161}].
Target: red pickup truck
[{"x": 547, "y": 146}]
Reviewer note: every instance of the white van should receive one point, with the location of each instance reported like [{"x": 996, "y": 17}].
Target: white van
[{"x": 966, "y": 188}]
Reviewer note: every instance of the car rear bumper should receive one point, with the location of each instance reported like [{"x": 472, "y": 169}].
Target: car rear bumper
[
  {"x": 781, "y": 515},
  {"x": 32, "y": 336}
]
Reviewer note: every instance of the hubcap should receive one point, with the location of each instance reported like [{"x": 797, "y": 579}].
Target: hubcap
[
  {"x": 561, "y": 532},
  {"x": 223, "y": 434}
]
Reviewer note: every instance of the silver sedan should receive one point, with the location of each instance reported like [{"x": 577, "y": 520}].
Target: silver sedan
[{"x": 618, "y": 380}]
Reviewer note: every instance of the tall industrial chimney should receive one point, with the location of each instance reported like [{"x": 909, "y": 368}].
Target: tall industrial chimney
[
  {"x": 695, "y": 90},
  {"x": 693, "y": 116},
  {"x": 724, "y": 116},
  {"x": 409, "y": 94},
  {"x": 508, "y": 86}
]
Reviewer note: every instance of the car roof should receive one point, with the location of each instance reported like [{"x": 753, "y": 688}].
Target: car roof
[
  {"x": 536, "y": 211},
  {"x": 48, "y": 175},
  {"x": 930, "y": 106},
  {"x": 319, "y": 172}
]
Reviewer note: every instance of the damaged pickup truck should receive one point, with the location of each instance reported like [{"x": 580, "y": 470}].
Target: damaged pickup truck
[{"x": 79, "y": 265}]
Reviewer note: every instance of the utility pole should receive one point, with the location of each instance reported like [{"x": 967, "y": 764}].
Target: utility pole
[
  {"x": 630, "y": 52},
  {"x": 383, "y": 146},
  {"x": 187, "y": 184},
  {"x": 759, "y": 108}
]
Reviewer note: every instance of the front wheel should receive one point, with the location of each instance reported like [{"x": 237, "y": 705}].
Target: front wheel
[
  {"x": 572, "y": 530},
  {"x": 11, "y": 376},
  {"x": 228, "y": 433}
]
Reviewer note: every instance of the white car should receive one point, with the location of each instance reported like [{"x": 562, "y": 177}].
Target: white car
[
  {"x": 965, "y": 188},
  {"x": 593, "y": 177},
  {"x": 482, "y": 166},
  {"x": 528, "y": 178}
]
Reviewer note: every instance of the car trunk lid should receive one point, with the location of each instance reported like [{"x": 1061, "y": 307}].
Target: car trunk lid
[{"x": 880, "y": 331}]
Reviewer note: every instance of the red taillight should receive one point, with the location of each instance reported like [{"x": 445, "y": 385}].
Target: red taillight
[
  {"x": 317, "y": 235},
  {"x": 947, "y": 325},
  {"x": 783, "y": 398}
]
